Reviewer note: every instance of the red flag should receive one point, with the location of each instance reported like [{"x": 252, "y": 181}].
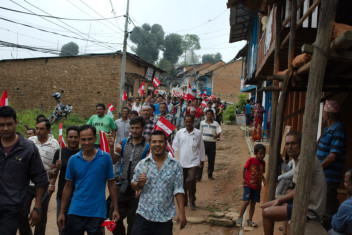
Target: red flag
[
  {"x": 124, "y": 97},
  {"x": 178, "y": 93},
  {"x": 198, "y": 92},
  {"x": 171, "y": 150},
  {"x": 174, "y": 93},
  {"x": 212, "y": 97},
  {"x": 141, "y": 89},
  {"x": 205, "y": 93},
  {"x": 4, "y": 101},
  {"x": 104, "y": 146},
  {"x": 156, "y": 82},
  {"x": 204, "y": 104},
  {"x": 110, "y": 108},
  {"x": 156, "y": 91},
  {"x": 61, "y": 138},
  {"x": 184, "y": 96},
  {"x": 164, "y": 125},
  {"x": 190, "y": 94},
  {"x": 110, "y": 225}
]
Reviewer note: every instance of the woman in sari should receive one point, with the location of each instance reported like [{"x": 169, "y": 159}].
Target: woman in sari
[{"x": 259, "y": 114}]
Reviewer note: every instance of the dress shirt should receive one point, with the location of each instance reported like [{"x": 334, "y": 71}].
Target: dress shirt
[
  {"x": 122, "y": 129},
  {"x": 191, "y": 147}
]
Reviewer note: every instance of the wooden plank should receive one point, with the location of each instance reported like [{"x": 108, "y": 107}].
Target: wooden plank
[
  {"x": 304, "y": 69},
  {"x": 307, "y": 48},
  {"x": 270, "y": 88},
  {"x": 344, "y": 41},
  {"x": 311, "y": 117}
]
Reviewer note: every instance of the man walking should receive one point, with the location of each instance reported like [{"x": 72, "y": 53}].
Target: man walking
[
  {"x": 137, "y": 105},
  {"x": 163, "y": 113},
  {"x": 20, "y": 162},
  {"x": 130, "y": 151},
  {"x": 86, "y": 176},
  {"x": 102, "y": 122},
  {"x": 147, "y": 113},
  {"x": 190, "y": 143},
  {"x": 47, "y": 146},
  {"x": 122, "y": 125},
  {"x": 180, "y": 114},
  {"x": 159, "y": 179}
]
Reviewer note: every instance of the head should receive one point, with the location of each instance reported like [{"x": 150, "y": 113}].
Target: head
[
  {"x": 209, "y": 104},
  {"x": 125, "y": 112},
  {"x": 100, "y": 109},
  {"x": 168, "y": 99},
  {"x": 72, "y": 138},
  {"x": 159, "y": 99},
  {"x": 134, "y": 114},
  {"x": 193, "y": 112},
  {"x": 158, "y": 142},
  {"x": 147, "y": 111},
  {"x": 209, "y": 114},
  {"x": 293, "y": 144},
  {"x": 259, "y": 102},
  {"x": 42, "y": 128},
  {"x": 163, "y": 108},
  {"x": 40, "y": 117},
  {"x": 261, "y": 14},
  {"x": 248, "y": 101},
  {"x": 30, "y": 132},
  {"x": 196, "y": 104},
  {"x": 87, "y": 137},
  {"x": 174, "y": 99},
  {"x": 348, "y": 181},
  {"x": 129, "y": 101},
  {"x": 217, "y": 104},
  {"x": 137, "y": 100},
  {"x": 189, "y": 120},
  {"x": 259, "y": 151},
  {"x": 137, "y": 125},
  {"x": 8, "y": 122}
]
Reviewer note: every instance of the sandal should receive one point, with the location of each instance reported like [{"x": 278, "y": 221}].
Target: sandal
[
  {"x": 239, "y": 222},
  {"x": 251, "y": 223}
]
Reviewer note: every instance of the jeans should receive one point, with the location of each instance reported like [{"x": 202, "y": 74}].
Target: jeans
[
  {"x": 146, "y": 227},
  {"x": 248, "y": 119},
  {"x": 126, "y": 209},
  {"x": 332, "y": 204},
  {"x": 24, "y": 227},
  {"x": 77, "y": 225},
  {"x": 180, "y": 122},
  {"x": 9, "y": 220},
  {"x": 210, "y": 151},
  {"x": 189, "y": 183}
]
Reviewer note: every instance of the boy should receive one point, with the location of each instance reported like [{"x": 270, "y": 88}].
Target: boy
[{"x": 253, "y": 176}]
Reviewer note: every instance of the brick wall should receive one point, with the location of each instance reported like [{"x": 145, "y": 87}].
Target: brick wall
[{"x": 82, "y": 81}]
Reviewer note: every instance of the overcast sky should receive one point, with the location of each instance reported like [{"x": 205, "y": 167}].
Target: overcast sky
[{"x": 209, "y": 19}]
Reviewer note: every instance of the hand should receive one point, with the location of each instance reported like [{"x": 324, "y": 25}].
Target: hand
[
  {"x": 58, "y": 164},
  {"x": 142, "y": 179},
  {"x": 50, "y": 190},
  {"x": 111, "y": 140},
  {"x": 34, "y": 218},
  {"x": 215, "y": 137},
  {"x": 61, "y": 221},
  {"x": 138, "y": 194},
  {"x": 201, "y": 165},
  {"x": 26, "y": 126},
  {"x": 276, "y": 202},
  {"x": 115, "y": 215},
  {"x": 244, "y": 182},
  {"x": 181, "y": 219}
]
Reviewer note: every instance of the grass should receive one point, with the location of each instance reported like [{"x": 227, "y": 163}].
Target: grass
[{"x": 28, "y": 117}]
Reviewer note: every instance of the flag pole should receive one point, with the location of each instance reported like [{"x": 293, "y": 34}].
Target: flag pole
[{"x": 60, "y": 151}]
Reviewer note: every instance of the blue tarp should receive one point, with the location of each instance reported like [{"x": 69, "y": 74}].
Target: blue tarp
[{"x": 249, "y": 88}]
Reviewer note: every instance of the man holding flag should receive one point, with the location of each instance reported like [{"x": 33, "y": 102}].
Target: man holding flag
[{"x": 4, "y": 101}]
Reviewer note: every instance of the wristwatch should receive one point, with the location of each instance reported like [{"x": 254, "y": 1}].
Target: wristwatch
[{"x": 39, "y": 210}]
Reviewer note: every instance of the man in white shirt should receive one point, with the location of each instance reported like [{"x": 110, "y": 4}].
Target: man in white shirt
[
  {"x": 192, "y": 155},
  {"x": 137, "y": 106}
]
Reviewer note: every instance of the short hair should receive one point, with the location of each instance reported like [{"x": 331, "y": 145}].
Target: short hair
[
  {"x": 125, "y": 108},
  {"x": 100, "y": 105},
  {"x": 297, "y": 134},
  {"x": 137, "y": 120},
  {"x": 209, "y": 102},
  {"x": 160, "y": 96},
  {"x": 129, "y": 99},
  {"x": 248, "y": 101},
  {"x": 134, "y": 112},
  {"x": 189, "y": 116},
  {"x": 259, "y": 101},
  {"x": 158, "y": 132},
  {"x": 209, "y": 110},
  {"x": 153, "y": 106},
  {"x": 8, "y": 111},
  {"x": 262, "y": 12},
  {"x": 31, "y": 129},
  {"x": 72, "y": 128},
  {"x": 40, "y": 116},
  {"x": 87, "y": 127},
  {"x": 137, "y": 98},
  {"x": 47, "y": 123},
  {"x": 163, "y": 104},
  {"x": 258, "y": 147}
]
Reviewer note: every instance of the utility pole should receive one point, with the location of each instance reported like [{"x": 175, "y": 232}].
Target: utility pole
[
  {"x": 123, "y": 66},
  {"x": 195, "y": 74}
]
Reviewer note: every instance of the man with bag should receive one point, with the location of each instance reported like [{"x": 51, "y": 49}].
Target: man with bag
[{"x": 130, "y": 150}]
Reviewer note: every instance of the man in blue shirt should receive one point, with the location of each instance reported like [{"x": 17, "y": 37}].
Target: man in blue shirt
[
  {"x": 342, "y": 220},
  {"x": 159, "y": 178},
  {"x": 247, "y": 109},
  {"x": 331, "y": 152},
  {"x": 86, "y": 175}
]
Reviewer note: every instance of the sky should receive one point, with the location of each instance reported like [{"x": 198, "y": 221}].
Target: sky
[{"x": 209, "y": 19}]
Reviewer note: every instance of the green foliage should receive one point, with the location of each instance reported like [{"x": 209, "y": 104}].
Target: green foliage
[
  {"x": 230, "y": 112},
  {"x": 173, "y": 47},
  {"x": 165, "y": 65},
  {"x": 212, "y": 58},
  {"x": 69, "y": 49},
  {"x": 191, "y": 42},
  {"x": 242, "y": 100}
]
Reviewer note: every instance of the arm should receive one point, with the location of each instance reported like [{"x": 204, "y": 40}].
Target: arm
[
  {"x": 202, "y": 152},
  {"x": 114, "y": 197},
  {"x": 181, "y": 218},
  {"x": 329, "y": 160},
  {"x": 66, "y": 195},
  {"x": 115, "y": 157},
  {"x": 340, "y": 220},
  {"x": 34, "y": 217}
]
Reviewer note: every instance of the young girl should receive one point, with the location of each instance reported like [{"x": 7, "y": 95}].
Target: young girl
[{"x": 253, "y": 176}]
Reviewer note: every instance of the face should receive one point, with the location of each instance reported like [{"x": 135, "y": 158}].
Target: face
[
  {"x": 189, "y": 123},
  {"x": 100, "y": 111},
  {"x": 209, "y": 105},
  {"x": 29, "y": 133},
  {"x": 42, "y": 131},
  {"x": 158, "y": 144},
  {"x": 8, "y": 127},
  {"x": 72, "y": 139},
  {"x": 193, "y": 113},
  {"x": 159, "y": 99},
  {"x": 133, "y": 115},
  {"x": 209, "y": 116},
  {"x": 138, "y": 101},
  {"x": 124, "y": 113},
  {"x": 348, "y": 183},
  {"x": 292, "y": 146},
  {"x": 260, "y": 155},
  {"x": 147, "y": 113},
  {"x": 162, "y": 108},
  {"x": 129, "y": 102},
  {"x": 87, "y": 140},
  {"x": 136, "y": 130}
]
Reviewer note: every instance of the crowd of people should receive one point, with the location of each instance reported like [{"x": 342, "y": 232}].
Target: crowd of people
[{"x": 143, "y": 178}]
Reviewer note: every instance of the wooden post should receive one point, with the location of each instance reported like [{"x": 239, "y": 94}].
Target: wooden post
[
  {"x": 311, "y": 116},
  {"x": 275, "y": 144}
]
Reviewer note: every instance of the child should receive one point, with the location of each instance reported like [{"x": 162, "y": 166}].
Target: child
[{"x": 253, "y": 176}]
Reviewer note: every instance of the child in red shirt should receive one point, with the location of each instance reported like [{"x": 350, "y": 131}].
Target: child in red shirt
[{"x": 253, "y": 175}]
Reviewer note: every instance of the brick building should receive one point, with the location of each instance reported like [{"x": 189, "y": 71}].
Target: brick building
[{"x": 83, "y": 81}]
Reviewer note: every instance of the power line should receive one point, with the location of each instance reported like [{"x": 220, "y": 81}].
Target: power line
[
  {"x": 113, "y": 11},
  {"x": 38, "y": 49},
  {"x": 57, "y": 17}
]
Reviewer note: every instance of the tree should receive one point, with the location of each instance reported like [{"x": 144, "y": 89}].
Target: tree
[
  {"x": 173, "y": 47},
  {"x": 212, "y": 58},
  {"x": 69, "y": 49},
  {"x": 165, "y": 65},
  {"x": 190, "y": 43}
]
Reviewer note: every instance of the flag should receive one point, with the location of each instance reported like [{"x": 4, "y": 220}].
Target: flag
[
  {"x": 156, "y": 91},
  {"x": 104, "y": 145},
  {"x": 109, "y": 224},
  {"x": 184, "y": 96},
  {"x": 178, "y": 94},
  {"x": 198, "y": 92},
  {"x": 164, "y": 125},
  {"x": 156, "y": 82},
  {"x": 205, "y": 93},
  {"x": 141, "y": 89},
  {"x": 212, "y": 97},
  {"x": 124, "y": 97},
  {"x": 174, "y": 93},
  {"x": 190, "y": 94},
  {"x": 204, "y": 104},
  {"x": 171, "y": 150},
  {"x": 4, "y": 101},
  {"x": 61, "y": 138},
  {"x": 110, "y": 109}
]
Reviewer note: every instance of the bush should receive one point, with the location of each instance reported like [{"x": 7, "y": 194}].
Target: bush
[{"x": 230, "y": 112}]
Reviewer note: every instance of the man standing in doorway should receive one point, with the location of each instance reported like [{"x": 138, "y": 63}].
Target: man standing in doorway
[
  {"x": 102, "y": 122},
  {"x": 192, "y": 155},
  {"x": 20, "y": 162}
]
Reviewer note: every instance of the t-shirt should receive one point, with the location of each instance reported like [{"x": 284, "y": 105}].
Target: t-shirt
[
  {"x": 209, "y": 130},
  {"x": 254, "y": 173},
  {"x": 104, "y": 123},
  {"x": 65, "y": 156},
  {"x": 248, "y": 108}
]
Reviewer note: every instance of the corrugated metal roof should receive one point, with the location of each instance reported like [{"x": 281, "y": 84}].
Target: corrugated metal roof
[{"x": 239, "y": 21}]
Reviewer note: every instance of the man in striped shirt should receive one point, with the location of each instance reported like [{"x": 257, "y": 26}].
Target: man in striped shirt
[{"x": 210, "y": 132}]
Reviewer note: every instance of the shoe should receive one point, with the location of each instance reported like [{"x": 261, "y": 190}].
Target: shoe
[
  {"x": 211, "y": 178},
  {"x": 192, "y": 205},
  {"x": 251, "y": 223},
  {"x": 239, "y": 222}
]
